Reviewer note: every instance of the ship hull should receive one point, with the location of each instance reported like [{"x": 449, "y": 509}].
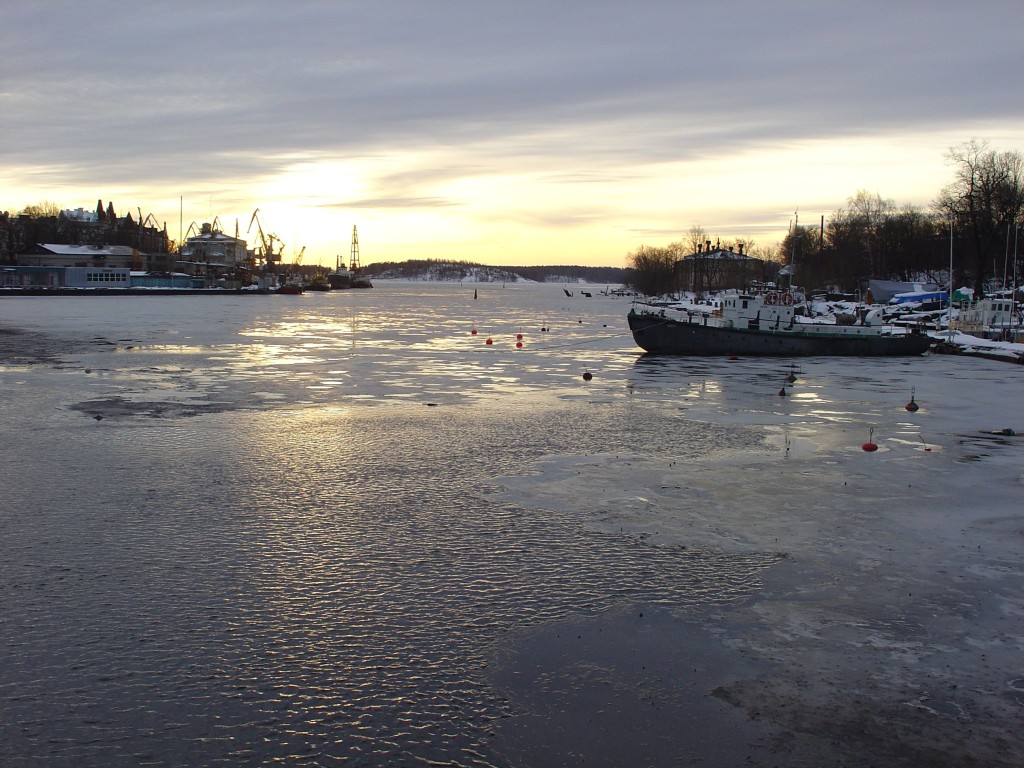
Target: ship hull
[
  {"x": 339, "y": 280},
  {"x": 664, "y": 336}
]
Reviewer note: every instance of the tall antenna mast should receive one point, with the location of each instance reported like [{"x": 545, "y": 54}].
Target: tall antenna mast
[{"x": 354, "y": 260}]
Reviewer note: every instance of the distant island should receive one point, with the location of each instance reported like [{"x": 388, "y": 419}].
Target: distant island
[{"x": 468, "y": 272}]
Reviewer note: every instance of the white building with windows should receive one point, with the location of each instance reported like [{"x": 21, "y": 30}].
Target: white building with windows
[{"x": 97, "y": 277}]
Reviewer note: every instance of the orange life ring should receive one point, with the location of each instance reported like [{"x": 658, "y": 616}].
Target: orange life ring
[
  {"x": 787, "y": 298},
  {"x": 769, "y": 298}
]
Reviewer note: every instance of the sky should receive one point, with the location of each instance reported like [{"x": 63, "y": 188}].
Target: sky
[{"x": 511, "y": 133}]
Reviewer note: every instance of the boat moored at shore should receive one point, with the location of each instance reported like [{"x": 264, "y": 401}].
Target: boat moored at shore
[{"x": 767, "y": 325}]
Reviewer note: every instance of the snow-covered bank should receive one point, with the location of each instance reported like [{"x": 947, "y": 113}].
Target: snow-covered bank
[{"x": 964, "y": 344}]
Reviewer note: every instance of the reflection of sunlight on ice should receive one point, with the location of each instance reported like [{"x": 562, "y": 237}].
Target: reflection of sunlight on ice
[
  {"x": 918, "y": 444},
  {"x": 833, "y": 416},
  {"x": 272, "y": 354},
  {"x": 806, "y": 397}
]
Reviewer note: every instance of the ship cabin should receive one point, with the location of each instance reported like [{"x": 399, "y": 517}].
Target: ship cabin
[{"x": 759, "y": 312}]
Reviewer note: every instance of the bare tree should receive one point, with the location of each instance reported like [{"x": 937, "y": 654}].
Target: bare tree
[
  {"x": 983, "y": 202},
  {"x": 696, "y": 237},
  {"x": 42, "y": 210},
  {"x": 653, "y": 270}
]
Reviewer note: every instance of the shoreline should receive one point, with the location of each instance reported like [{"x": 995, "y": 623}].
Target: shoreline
[{"x": 46, "y": 292}]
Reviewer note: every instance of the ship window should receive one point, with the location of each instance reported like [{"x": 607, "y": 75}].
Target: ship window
[{"x": 744, "y": 303}]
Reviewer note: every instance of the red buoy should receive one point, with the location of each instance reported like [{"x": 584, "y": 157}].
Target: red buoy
[
  {"x": 519, "y": 337},
  {"x": 519, "y": 345},
  {"x": 490, "y": 341},
  {"x": 473, "y": 332},
  {"x": 870, "y": 446}
]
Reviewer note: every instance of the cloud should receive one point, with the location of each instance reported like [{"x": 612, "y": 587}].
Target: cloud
[
  {"x": 427, "y": 97},
  {"x": 404, "y": 203}
]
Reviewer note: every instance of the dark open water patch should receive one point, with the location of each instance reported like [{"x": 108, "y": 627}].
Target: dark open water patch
[
  {"x": 625, "y": 688},
  {"x": 20, "y": 347},
  {"x": 122, "y": 408},
  {"x": 311, "y": 586}
]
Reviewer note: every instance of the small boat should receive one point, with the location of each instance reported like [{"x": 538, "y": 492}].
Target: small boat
[
  {"x": 290, "y": 289},
  {"x": 767, "y": 325}
]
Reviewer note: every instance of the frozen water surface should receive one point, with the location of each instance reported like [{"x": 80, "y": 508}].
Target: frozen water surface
[{"x": 342, "y": 529}]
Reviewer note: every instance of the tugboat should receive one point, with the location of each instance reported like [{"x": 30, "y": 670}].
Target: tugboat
[
  {"x": 290, "y": 289},
  {"x": 755, "y": 324},
  {"x": 340, "y": 278}
]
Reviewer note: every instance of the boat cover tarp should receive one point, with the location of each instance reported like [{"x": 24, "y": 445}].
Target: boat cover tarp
[{"x": 884, "y": 290}]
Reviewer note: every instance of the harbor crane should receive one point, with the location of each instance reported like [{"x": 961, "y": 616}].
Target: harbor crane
[{"x": 267, "y": 251}]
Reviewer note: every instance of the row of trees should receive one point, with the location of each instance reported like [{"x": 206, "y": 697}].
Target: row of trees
[{"x": 980, "y": 214}]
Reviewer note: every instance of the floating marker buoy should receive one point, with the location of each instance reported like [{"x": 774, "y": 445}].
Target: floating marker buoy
[
  {"x": 912, "y": 405},
  {"x": 733, "y": 357},
  {"x": 473, "y": 332},
  {"x": 544, "y": 328},
  {"x": 782, "y": 392},
  {"x": 519, "y": 337},
  {"x": 792, "y": 375},
  {"x": 587, "y": 376},
  {"x": 870, "y": 446},
  {"x": 490, "y": 341},
  {"x": 519, "y": 345}
]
